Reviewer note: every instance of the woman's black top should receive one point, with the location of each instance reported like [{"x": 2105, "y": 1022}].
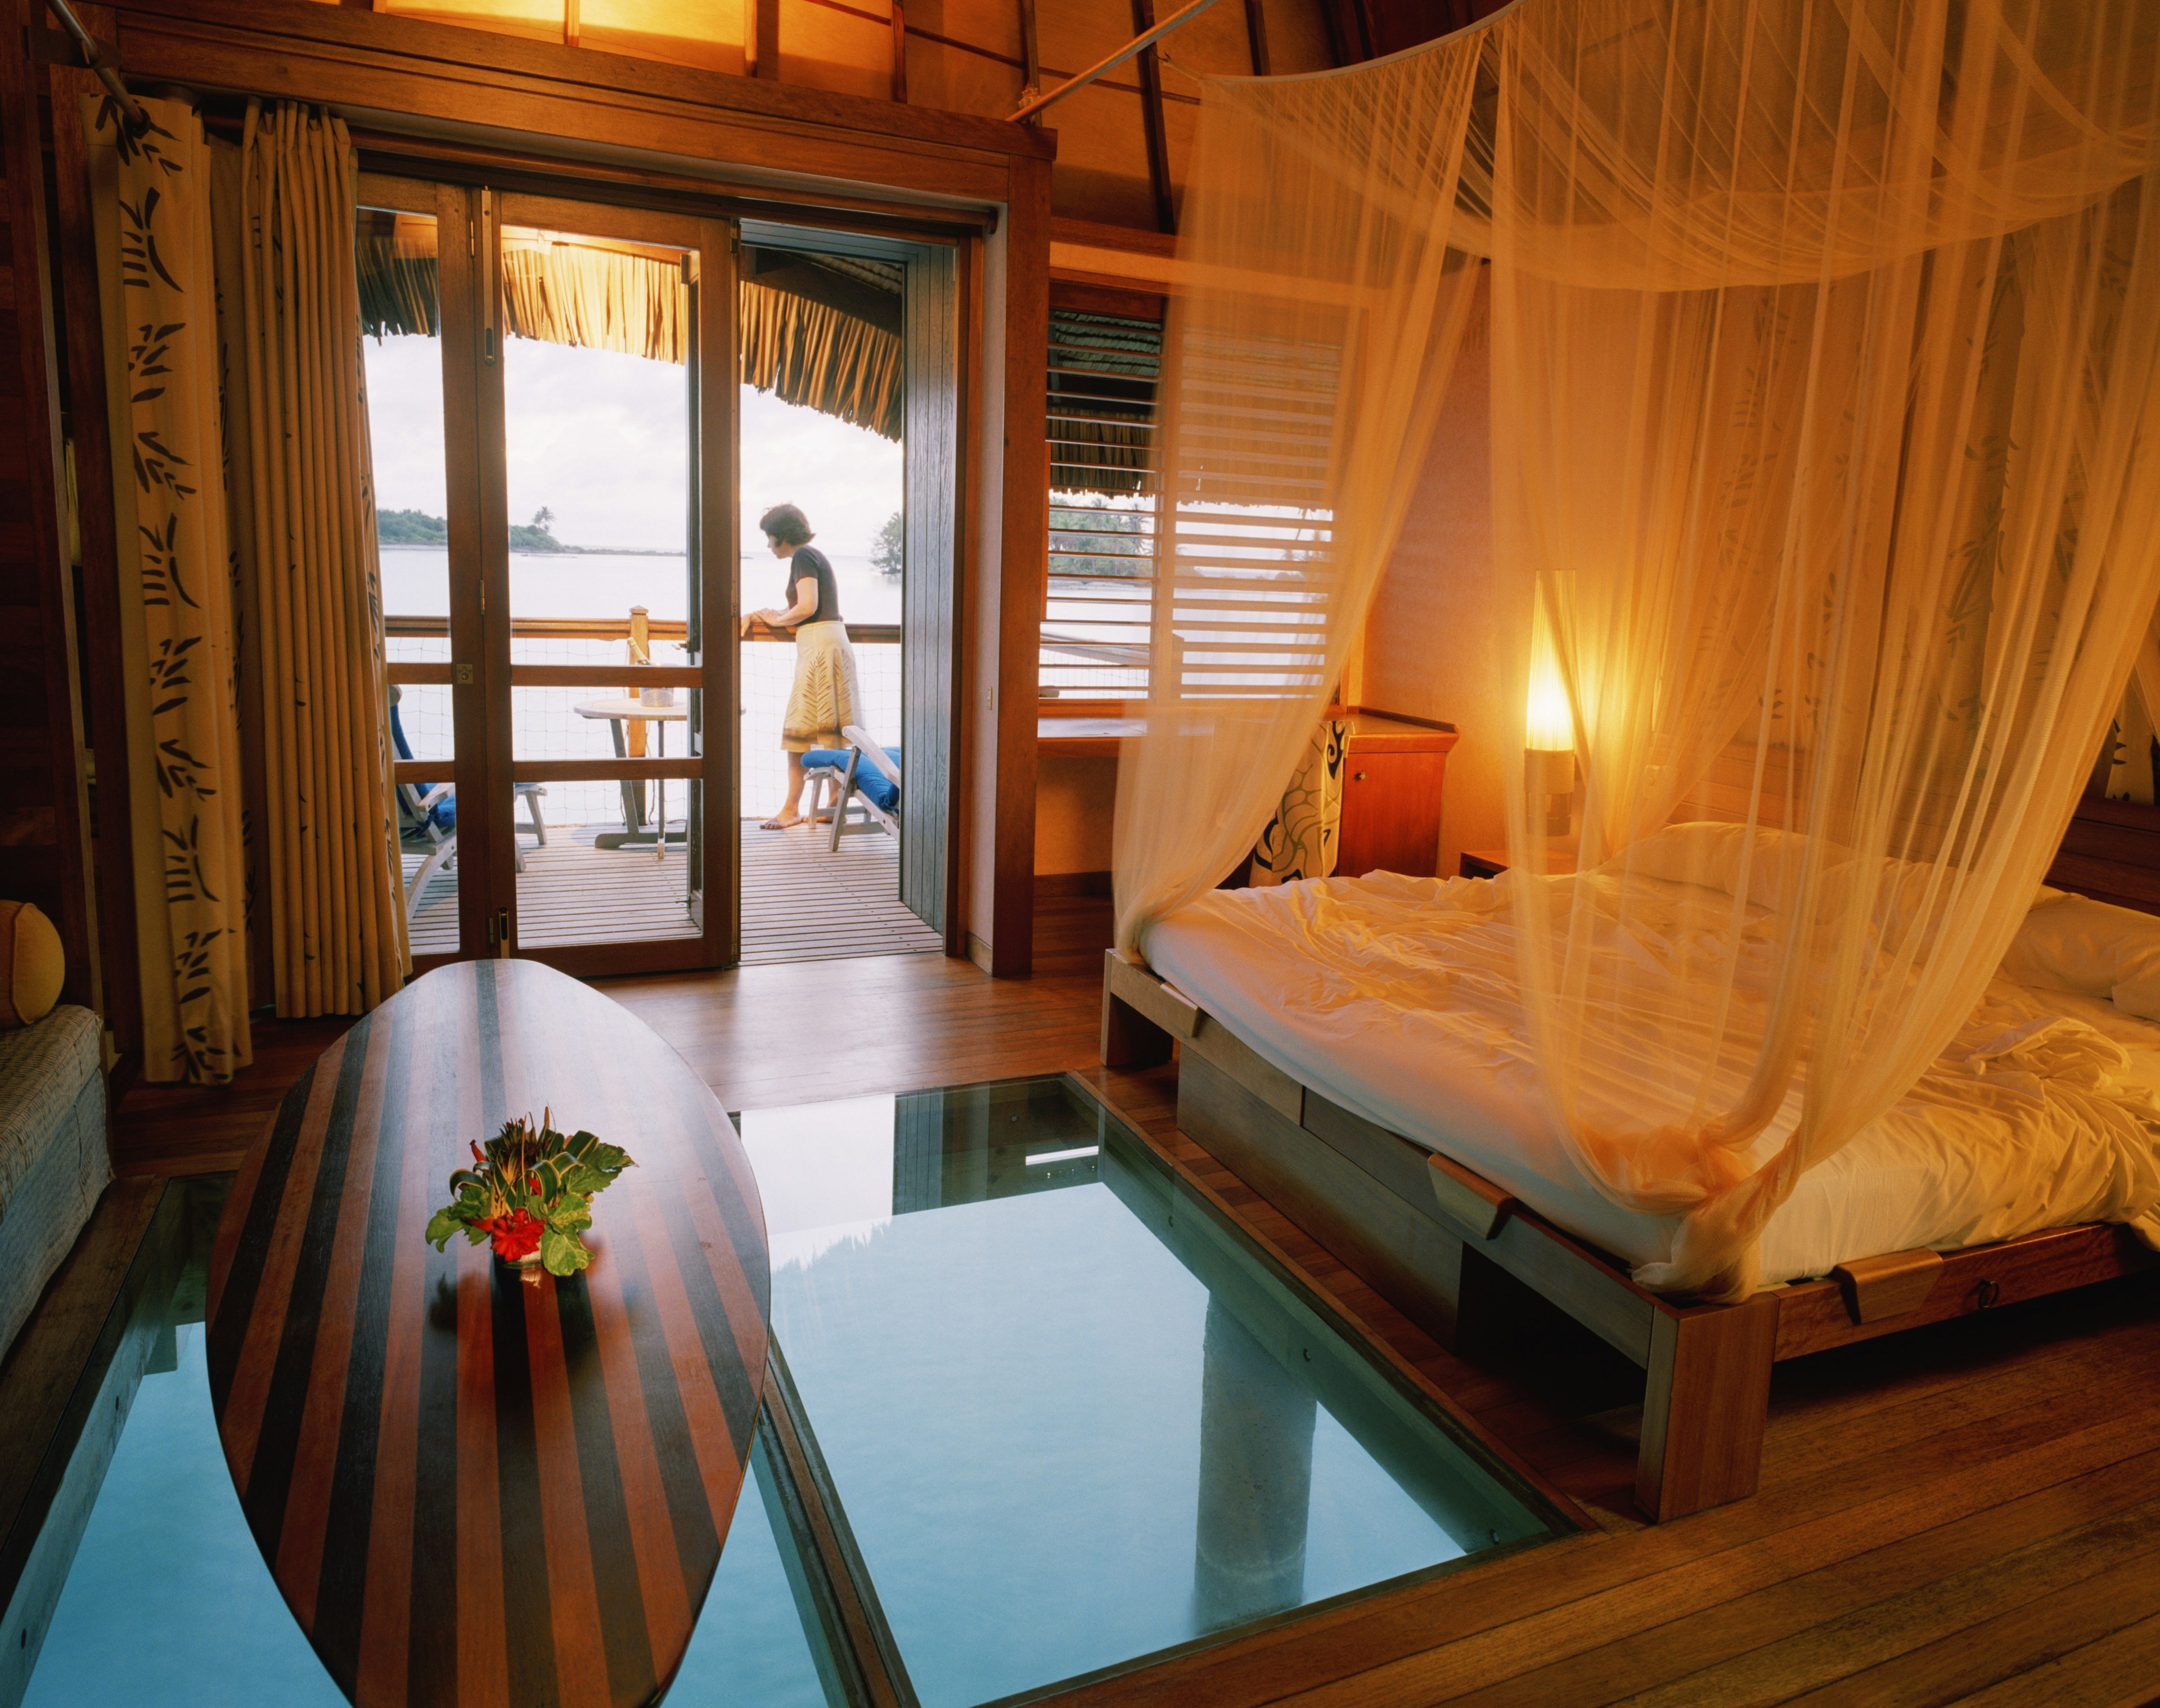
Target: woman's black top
[{"x": 807, "y": 561}]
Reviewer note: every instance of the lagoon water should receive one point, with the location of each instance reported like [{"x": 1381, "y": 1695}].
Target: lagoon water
[{"x": 416, "y": 583}]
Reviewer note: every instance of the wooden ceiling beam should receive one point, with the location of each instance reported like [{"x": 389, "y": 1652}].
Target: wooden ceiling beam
[
  {"x": 765, "y": 40},
  {"x": 1256, "y": 35},
  {"x": 1158, "y": 140}
]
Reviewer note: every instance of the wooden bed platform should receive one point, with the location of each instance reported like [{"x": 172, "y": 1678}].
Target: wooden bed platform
[{"x": 1460, "y": 1257}]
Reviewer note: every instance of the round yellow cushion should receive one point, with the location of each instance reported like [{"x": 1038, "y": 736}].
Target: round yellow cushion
[{"x": 32, "y": 965}]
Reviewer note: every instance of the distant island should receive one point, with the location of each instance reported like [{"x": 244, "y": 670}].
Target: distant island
[
  {"x": 416, "y": 527},
  {"x": 410, "y": 527}
]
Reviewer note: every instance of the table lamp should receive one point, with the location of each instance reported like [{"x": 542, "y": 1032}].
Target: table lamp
[{"x": 1549, "y": 730}]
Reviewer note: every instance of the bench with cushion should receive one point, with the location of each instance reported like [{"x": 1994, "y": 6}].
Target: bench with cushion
[{"x": 54, "y": 1160}]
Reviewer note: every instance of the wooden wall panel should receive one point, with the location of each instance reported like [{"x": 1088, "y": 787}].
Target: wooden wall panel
[
  {"x": 846, "y": 52},
  {"x": 929, "y": 632},
  {"x": 44, "y": 853},
  {"x": 627, "y": 26},
  {"x": 939, "y": 75},
  {"x": 1024, "y": 526}
]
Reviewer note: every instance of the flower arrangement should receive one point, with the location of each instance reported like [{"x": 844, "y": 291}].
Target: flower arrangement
[{"x": 530, "y": 1195}]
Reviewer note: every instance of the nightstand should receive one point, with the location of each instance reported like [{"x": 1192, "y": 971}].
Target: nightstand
[
  {"x": 1490, "y": 862},
  {"x": 1393, "y": 771}
]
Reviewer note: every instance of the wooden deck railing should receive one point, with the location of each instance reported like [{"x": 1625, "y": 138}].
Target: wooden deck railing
[{"x": 619, "y": 629}]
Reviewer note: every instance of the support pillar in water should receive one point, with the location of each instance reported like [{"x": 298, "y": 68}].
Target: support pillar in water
[{"x": 1256, "y": 1422}]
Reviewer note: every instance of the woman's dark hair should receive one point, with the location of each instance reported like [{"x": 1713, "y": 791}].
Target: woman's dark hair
[{"x": 785, "y": 523}]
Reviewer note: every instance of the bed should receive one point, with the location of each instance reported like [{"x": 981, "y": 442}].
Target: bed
[{"x": 1347, "y": 1052}]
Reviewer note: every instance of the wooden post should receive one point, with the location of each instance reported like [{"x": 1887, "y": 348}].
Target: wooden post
[
  {"x": 1705, "y": 1407},
  {"x": 898, "y": 51},
  {"x": 641, "y": 653},
  {"x": 1130, "y": 1039},
  {"x": 763, "y": 37}
]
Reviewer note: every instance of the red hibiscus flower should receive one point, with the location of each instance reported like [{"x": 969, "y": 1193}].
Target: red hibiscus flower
[{"x": 514, "y": 1236}]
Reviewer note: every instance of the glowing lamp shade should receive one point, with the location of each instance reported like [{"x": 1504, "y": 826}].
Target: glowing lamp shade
[
  {"x": 1549, "y": 729},
  {"x": 1548, "y": 720}
]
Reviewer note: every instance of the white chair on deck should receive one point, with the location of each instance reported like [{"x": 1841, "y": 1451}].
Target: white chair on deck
[{"x": 871, "y": 784}]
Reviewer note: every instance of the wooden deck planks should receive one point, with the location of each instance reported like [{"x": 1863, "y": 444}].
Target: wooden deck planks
[{"x": 799, "y": 903}]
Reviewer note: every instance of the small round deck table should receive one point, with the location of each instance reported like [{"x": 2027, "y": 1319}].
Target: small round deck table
[
  {"x": 469, "y": 1490},
  {"x": 618, "y": 712}
]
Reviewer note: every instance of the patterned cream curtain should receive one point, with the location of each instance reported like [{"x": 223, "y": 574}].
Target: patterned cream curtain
[
  {"x": 314, "y": 698},
  {"x": 1825, "y": 423},
  {"x": 177, "y": 641},
  {"x": 1299, "y": 842}
]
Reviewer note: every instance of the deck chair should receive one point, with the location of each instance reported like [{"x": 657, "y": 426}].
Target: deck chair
[
  {"x": 867, "y": 780},
  {"x": 428, "y": 816}
]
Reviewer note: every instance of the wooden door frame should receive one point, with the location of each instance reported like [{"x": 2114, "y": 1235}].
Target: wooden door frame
[
  {"x": 712, "y": 352},
  {"x": 608, "y": 128}
]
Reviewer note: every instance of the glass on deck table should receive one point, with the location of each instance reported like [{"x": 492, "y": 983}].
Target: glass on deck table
[
  {"x": 1074, "y": 1417},
  {"x": 169, "y": 1604}
]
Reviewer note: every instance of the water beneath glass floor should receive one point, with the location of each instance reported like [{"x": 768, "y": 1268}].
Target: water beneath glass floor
[
  {"x": 1073, "y": 1417},
  {"x": 168, "y": 1603},
  {"x": 1070, "y": 1416}
]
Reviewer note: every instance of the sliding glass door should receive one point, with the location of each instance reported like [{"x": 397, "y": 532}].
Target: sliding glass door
[{"x": 558, "y": 524}]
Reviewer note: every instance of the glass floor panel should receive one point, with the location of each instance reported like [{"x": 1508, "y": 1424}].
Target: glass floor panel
[
  {"x": 1060, "y": 1416},
  {"x": 1071, "y": 1414},
  {"x": 167, "y": 1551}
]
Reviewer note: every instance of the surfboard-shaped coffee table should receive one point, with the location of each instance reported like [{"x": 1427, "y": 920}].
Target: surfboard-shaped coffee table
[{"x": 471, "y": 1491}]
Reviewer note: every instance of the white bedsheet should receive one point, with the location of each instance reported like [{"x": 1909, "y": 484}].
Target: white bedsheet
[{"x": 1384, "y": 993}]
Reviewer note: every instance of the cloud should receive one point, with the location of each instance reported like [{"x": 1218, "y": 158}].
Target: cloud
[{"x": 603, "y": 440}]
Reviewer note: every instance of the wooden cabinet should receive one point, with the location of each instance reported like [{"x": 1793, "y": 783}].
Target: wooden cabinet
[{"x": 1393, "y": 771}]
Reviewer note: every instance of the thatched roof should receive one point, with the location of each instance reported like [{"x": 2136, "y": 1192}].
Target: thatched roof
[
  {"x": 1101, "y": 417},
  {"x": 820, "y": 331}
]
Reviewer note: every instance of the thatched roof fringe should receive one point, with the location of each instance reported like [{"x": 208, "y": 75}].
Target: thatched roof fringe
[
  {"x": 602, "y": 298},
  {"x": 812, "y": 354}
]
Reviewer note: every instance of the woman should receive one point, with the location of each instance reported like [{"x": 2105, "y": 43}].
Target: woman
[{"x": 826, "y": 696}]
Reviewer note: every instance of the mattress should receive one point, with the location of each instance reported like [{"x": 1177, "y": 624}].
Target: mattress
[{"x": 1394, "y": 998}]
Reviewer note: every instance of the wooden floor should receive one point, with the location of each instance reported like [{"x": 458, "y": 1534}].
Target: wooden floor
[
  {"x": 1969, "y": 1513},
  {"x": 799, "y": 903}
]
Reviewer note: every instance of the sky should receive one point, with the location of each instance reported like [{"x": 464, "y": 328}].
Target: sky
[{"x": 601, "y": 439}]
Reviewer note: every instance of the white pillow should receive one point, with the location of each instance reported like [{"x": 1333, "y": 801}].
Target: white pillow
[
  {"x": 1709, "y": 854},
  {"x": 2072, "y": 943}
]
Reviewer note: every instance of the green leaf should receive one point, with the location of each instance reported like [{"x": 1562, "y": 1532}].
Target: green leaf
[
  {"x": 570, "y": 1215},
  {"x": 442, "y": 1225},
  {"x": 562, "y": 1254}
]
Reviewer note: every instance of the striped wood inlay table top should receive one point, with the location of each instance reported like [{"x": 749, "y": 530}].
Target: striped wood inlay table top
[{"x": 471, "y": 1491}]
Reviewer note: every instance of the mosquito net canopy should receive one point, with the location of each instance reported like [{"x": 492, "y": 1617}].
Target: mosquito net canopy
[{"x": 1825, "y": 433}]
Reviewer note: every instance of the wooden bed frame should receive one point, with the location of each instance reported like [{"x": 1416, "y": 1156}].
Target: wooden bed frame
[{"x": 1454, "y": 1253}]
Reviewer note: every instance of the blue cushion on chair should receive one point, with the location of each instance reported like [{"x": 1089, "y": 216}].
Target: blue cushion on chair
[
  {"x": 443, "y": 814},
  {"x": 869, "y": 781}
]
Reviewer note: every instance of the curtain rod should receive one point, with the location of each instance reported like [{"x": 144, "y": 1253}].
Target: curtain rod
[
  {"x": 1028, "y": 109},
  {"x": 138, "y": 120}
]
